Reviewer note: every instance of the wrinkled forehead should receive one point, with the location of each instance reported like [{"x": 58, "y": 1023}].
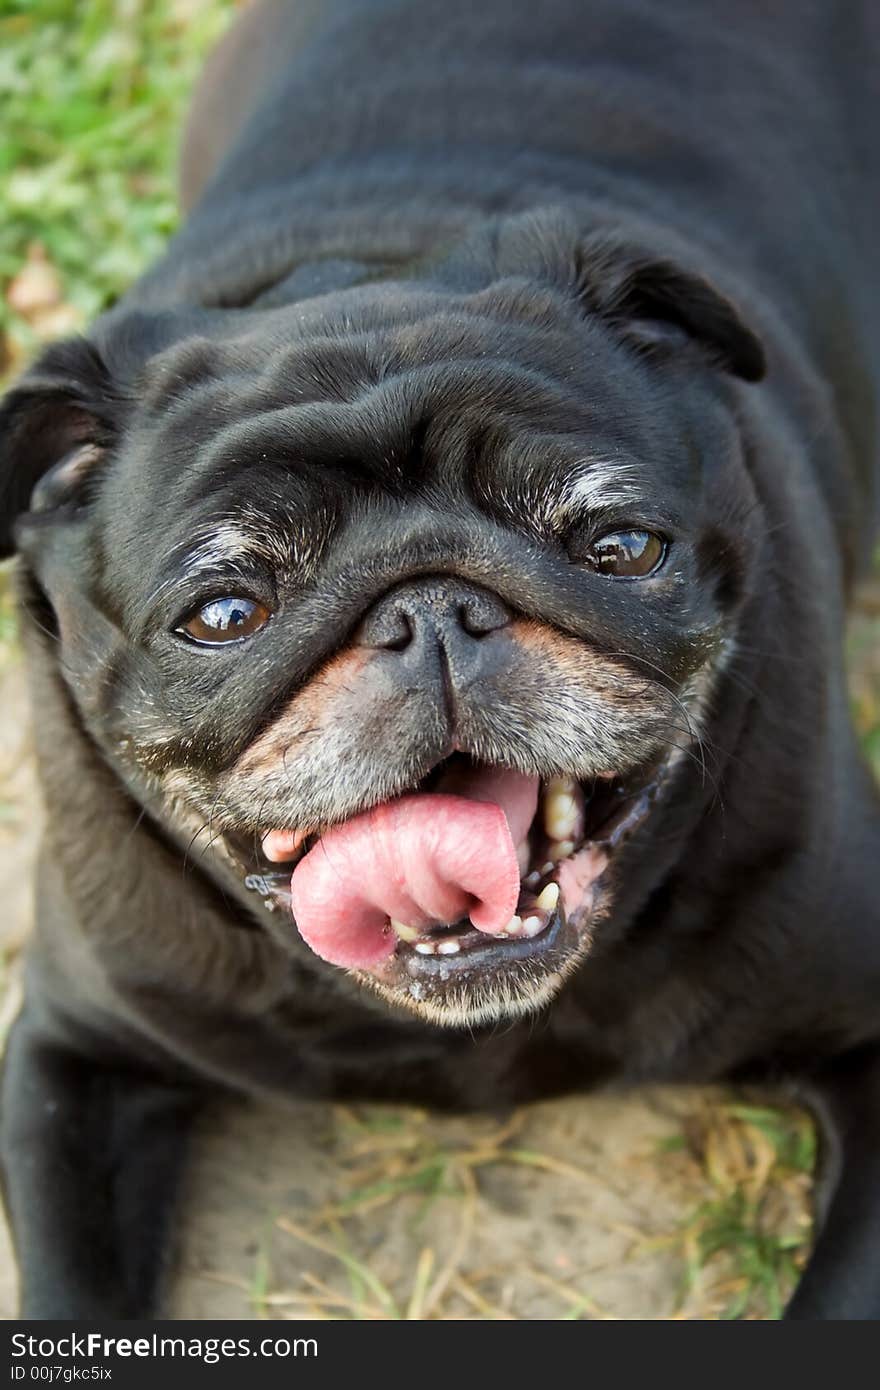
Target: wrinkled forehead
[{"x": 260, "y": 450}]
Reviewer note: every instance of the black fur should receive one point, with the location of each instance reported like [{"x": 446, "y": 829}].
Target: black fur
[{"x": 439, "y": 256}]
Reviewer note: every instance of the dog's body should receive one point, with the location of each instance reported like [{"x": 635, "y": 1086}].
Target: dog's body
[{"x": 408, "y": 219}]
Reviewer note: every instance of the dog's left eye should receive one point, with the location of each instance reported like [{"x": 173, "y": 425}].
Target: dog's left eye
[
  {"x": 226, "y": 620},
  {"x": 626, "y": 554}
]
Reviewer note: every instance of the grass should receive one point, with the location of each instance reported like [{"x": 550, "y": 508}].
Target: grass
[
  {"x": 745, "y": 1243},
  {"x": 864, "y": 664},
  {"x": 93, "y": 92},
  {"x": 8, "y": 617}
]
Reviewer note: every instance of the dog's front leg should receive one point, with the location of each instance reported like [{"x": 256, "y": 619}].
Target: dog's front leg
[
  {"x": 91, "y": 1154},
  {"x": 842, "y": 1279}
]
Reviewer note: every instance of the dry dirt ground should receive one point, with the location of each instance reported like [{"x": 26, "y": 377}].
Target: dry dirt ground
[{"x": 659, "y": 1204}]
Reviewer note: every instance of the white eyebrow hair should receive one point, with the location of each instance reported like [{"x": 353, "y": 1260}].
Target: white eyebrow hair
[
  {"x": 284, "y": 543},
  {"x": 597, "y": 486},
  {"x": 234, "y": 542},
  {"x": 234, "y": 539}
]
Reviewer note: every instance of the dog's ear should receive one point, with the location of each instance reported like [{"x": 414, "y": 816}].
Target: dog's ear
[
  {"x": 55, "y": 426},
  {"x": 656, "y": 304}
]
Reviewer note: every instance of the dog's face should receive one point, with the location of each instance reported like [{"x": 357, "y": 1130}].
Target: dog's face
[{"x": 412, "y": 595}]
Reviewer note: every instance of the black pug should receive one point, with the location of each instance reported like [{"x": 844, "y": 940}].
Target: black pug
[{"x": 434, "y": 575}]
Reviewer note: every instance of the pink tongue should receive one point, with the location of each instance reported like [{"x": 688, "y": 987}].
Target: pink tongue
[{"x": 424, "y": 859}]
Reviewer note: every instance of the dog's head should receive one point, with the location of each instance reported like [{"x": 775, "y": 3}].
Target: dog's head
[{"x": 413, "y": 594}]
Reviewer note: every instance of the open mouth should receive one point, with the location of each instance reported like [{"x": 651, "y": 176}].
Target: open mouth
[{"x": 480, "y": 877}]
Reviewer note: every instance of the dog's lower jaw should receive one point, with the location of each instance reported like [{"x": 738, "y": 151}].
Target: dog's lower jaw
[
  {"x": 483, "y": 1004},
  {"x": 483, "y": 997}
]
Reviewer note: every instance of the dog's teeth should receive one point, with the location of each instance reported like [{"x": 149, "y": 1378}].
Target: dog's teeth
[
  {"x": 547, "y": 900},
  {"x": 561, "y": 850},
  {"x": 448, "y": 948},
  {"x": 532, "y": 925},
  {"x": 425, "y": 948},
  {"x": 404, "y": 932},
  {"x": 547, "y": 868},
  {"x": 281, "y": 845},
  {"x": 532, "y": 880},
  {"x": 562, "y": 811},
  {"x": 513, "y": 928}
]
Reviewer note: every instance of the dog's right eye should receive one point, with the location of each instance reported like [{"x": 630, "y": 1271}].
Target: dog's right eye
[
  {"x": 228, "y": 619},
  {"x": 626, "y": 554}
]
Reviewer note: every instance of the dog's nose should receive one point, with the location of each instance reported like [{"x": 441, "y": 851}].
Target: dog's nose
[{"x": 433, "y": 618}]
